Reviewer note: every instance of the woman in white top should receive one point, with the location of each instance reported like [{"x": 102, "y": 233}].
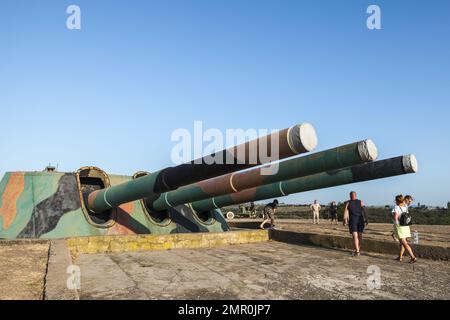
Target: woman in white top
[{"x": 402, "y": 232}]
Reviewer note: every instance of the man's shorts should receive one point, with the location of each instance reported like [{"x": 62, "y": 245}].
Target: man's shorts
[
  {"x": 268, "y": 214},
  {"x": 356, "y": 224}
]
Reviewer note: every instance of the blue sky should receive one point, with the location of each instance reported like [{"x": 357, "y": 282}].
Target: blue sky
[{"x": 112, "y": 93}]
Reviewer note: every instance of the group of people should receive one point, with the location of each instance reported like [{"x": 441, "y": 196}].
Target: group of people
[
  {"x": 356, "y": 218},
  {"x": 315, "y": 208}
]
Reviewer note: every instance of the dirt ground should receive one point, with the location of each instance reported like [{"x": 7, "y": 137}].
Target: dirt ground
[
  {"x": 269, "y": 270},
  {"x": 438, "y": 235},
  {"x": 22, "y": 269}
]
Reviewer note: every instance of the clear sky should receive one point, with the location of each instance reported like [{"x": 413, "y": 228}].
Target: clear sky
[{"x": 112, "y": 93}]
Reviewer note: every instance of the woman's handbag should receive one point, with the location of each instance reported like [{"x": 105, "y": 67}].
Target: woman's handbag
[{"x": 405, "y": 218}]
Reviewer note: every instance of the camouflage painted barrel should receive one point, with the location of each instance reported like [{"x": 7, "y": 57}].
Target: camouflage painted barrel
[
  {"x": 331, "y": 159},
  {"x": 290, "y": 141},
  {"x": 363, "y": 172}
]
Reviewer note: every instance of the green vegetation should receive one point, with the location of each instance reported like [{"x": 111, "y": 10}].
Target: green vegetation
[
  {"x": 420, "y": 216},
  {"x": 376, "y": 214}
]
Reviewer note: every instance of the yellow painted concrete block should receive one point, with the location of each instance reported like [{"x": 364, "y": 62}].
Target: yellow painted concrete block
[{"x": 163, "y": 242}]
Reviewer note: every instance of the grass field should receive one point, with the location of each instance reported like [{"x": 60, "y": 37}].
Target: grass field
[{"x": 376, "y": 214}]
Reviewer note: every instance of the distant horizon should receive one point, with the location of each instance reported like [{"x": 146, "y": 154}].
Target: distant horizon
[{"x": 414, "y": 205}]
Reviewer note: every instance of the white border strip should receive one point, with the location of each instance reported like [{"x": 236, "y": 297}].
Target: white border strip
[
  {"x": 167, "y": 201},
  {"x": 104, "y": 198},
  {"x": 231, "y": 183},
  {"x": 214, "y": 203},
  {"x": 281, "y": 189}
]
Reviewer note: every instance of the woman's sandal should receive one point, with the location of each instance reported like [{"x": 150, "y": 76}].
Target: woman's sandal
[
  {"x": 413, "y": 260},
  {"x": 399, "y": 259}
]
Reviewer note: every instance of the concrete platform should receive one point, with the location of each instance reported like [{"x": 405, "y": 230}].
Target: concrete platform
[
  {"x": 232, "y": 265},
  {"x": 433, "y": 235},
  {"x": 270, "y": 270},
  {"x": 38, "y": 269},
  {"x": 434, "y": 241},
  {"x": 425, "y": 251}
]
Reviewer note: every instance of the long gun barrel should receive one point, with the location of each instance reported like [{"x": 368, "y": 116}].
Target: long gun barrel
[
  {"x": 363, "y": 172},
  {"x": 331, "y": 159},
  {"x": 290, "y": 141}
]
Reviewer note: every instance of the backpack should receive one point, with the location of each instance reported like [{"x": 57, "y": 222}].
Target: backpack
[{"x": 405, "y": 218}]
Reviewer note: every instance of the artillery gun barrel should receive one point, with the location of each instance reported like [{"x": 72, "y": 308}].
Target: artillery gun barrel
[
  {"x": 331, "y": 159},
  {"x": 297, "y": 139},
  {"x": 363, "y": 172}
]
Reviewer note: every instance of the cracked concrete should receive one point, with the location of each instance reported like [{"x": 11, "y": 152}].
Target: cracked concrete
[
  {"x": 270, "y": 270},
  {"x": 56, "y": 277}
]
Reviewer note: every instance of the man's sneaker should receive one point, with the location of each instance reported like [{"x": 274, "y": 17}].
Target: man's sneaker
[{"x": 355, "y": 253}]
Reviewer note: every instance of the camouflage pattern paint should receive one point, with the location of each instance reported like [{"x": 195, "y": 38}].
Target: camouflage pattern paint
[
  {"x": 363, "y": 172},
  {"x": 331, "y": 159},
  {"x": 290, "y": 141},
  {"x": 14, "y": 186},
  {"x": 48, "y": 205}
]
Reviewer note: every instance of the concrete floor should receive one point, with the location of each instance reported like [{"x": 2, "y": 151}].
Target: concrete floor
[{"x": 270, "y": 270}]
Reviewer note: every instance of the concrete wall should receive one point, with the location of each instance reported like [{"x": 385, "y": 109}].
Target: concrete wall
[{"x": 369, "y": 245}]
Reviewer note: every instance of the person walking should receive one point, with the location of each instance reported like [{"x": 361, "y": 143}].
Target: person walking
[
  {"x": 402, "y": 231},
  {"x": 408, "y": 200},
  {"x": 269, "y": 214},
  {"x": 355, "y": 215},
  {"x": 333, "y": 212},
  {"x": 315, "y": 207}
]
